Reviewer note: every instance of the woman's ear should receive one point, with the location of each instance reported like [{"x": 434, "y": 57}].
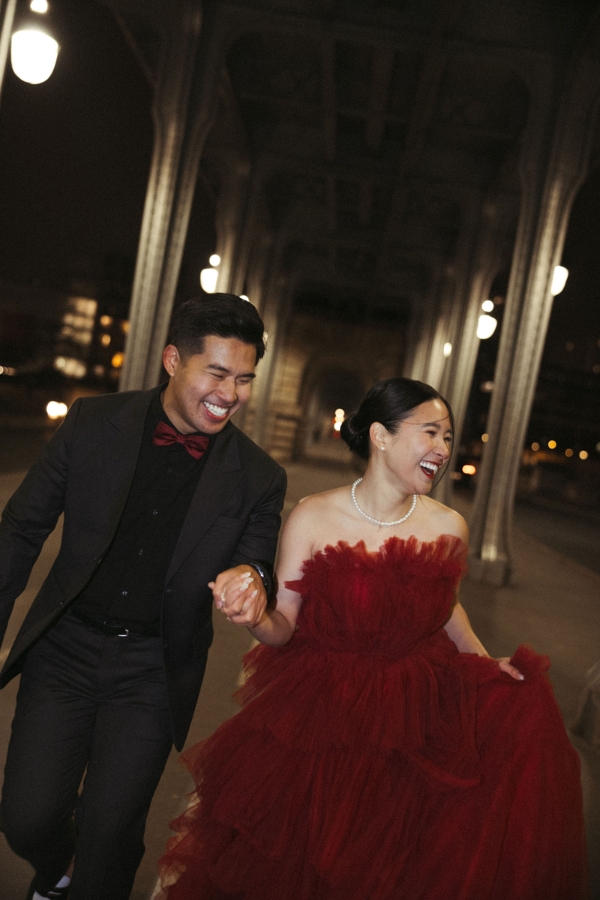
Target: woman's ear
[{"x": 379, "y": 435}]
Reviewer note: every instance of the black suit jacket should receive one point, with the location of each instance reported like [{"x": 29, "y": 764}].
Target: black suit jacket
[{"x": 86, "y": 471}]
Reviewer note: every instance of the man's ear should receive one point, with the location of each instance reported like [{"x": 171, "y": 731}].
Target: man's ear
[{"x": 171, "y": 358}]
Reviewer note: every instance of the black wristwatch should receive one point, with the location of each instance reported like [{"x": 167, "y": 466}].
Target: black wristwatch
[{"x": 264, "y": 576}]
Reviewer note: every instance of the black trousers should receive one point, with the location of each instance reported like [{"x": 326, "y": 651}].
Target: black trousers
[{"x": 94, "y": 704}]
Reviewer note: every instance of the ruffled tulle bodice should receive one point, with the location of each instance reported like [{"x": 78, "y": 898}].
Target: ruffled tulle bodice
[
  {"x": 372, "y": 759},
  {"x": 386, "y": 601},
  {"x": 372, "y": 657}
]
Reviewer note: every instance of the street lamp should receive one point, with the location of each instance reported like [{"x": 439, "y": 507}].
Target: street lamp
[
  {"x": 559, "y": 279},
  {"x": 486, "y": 326},
  {"x": 209, "y": 276},
  {"x": 33, "y": 54},
  {"x": 33, "y": 51}
]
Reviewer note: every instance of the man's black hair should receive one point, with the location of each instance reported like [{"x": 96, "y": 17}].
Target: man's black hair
[{"x": 222, "y": 315}]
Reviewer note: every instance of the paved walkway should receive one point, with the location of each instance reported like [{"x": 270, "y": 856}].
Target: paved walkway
[{"x": 554, "y": 604}]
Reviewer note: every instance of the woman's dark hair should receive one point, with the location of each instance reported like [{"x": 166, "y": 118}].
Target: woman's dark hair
[
  {"x": 389, "y": 402},
  {"x": 223, "y": 315}
]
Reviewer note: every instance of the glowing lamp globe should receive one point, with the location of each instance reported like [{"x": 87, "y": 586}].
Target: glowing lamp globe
[
  {"x": 486, "y": 326},
  {"x": 559, "y": 279},
  {"x": 208, "y": 280},
  {"x": 33, "y": 55}
]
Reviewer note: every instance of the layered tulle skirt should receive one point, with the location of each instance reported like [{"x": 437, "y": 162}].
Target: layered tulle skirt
[{"x": 358, "y": 776}]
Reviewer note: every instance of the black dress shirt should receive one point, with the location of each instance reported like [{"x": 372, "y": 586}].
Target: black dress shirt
[{"x": 129, "y": 583}]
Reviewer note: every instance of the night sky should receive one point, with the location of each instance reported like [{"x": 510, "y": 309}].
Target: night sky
[{"x": 74, "y": 155}]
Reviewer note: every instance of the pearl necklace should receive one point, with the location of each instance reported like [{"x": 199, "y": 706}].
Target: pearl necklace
[{"x": 376, "y": 521}]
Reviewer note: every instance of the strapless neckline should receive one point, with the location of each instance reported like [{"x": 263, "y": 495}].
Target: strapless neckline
[{"x": 411, "y": 543}]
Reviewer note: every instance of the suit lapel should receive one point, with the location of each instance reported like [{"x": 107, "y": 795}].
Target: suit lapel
[
  {"x": 123, "y": 431},
  {"x": 220, "y": 477}
]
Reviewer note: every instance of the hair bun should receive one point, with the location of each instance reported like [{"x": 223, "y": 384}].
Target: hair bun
[{"x": 355, "y": 436}]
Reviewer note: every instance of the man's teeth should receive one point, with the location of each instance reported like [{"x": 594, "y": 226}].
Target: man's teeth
[
  {"x": 216, "y": 410},
  {"x": 430, "y": 466}
]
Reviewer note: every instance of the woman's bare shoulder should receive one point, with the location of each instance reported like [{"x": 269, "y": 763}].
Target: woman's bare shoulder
[
  {"x": 325, "y": 500},
  {"x": 447, "y": 521},
  {"x": 311, "y": 519}
]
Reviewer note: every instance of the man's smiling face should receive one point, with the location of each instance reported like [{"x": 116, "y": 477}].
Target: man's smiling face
[{"x": 206, "y": 389}]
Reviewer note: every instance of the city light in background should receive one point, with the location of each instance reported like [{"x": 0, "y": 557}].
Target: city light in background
[
  {"x": 56, "y": 409},
  {"x": 338, "y": 418}
]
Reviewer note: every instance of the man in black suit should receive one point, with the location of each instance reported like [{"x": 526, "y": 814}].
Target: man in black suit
[{"x": 166, "y": 503}]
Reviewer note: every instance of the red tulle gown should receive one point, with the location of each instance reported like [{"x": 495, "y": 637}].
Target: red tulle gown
[{"x": 372, "y": 761}]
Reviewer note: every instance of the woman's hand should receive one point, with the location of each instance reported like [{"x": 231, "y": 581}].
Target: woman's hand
[
  {"x": 240, "y": 595},
  {"x": 505, "y": 666}
]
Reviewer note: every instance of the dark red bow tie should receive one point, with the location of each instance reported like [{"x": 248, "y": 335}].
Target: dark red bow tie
[{"x": 165, "y": 435}]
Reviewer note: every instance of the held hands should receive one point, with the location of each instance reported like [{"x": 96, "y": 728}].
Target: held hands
[
  {"x": 505, "y": 666},
  {"x": 240, "y": 595}
]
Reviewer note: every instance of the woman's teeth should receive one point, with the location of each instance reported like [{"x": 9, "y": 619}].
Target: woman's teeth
[{"x": 429, "y": 468}]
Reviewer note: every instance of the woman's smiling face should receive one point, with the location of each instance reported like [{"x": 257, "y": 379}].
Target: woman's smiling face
[{"x": 420, "y": 447}]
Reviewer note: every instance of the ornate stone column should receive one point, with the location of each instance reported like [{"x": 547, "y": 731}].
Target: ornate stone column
[
  {"x": 185, "y": 104},
  {"x": 493, "y": 226},
  {"x": 550, "y": 180},
  {"x": 275, "y": 314},
  {"x": 490, "y": 255},
  {"x": 423, "y": 325},
  {"x": 230, "y": 212},
  {"x": 449, "y": 318},
  {"x": 7, "y": 18}
]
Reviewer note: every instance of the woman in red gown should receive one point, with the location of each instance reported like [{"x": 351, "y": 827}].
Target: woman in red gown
[{"x": 381, "y": 754}]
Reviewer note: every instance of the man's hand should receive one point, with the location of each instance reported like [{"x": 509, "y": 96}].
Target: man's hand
[{"x": 240, "y": 595}]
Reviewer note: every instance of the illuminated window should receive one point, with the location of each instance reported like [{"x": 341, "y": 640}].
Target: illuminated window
[{"x": 74, "y": 368}]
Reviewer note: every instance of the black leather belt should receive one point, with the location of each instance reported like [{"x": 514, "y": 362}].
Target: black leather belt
[{"x": 116, "y": 628}]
